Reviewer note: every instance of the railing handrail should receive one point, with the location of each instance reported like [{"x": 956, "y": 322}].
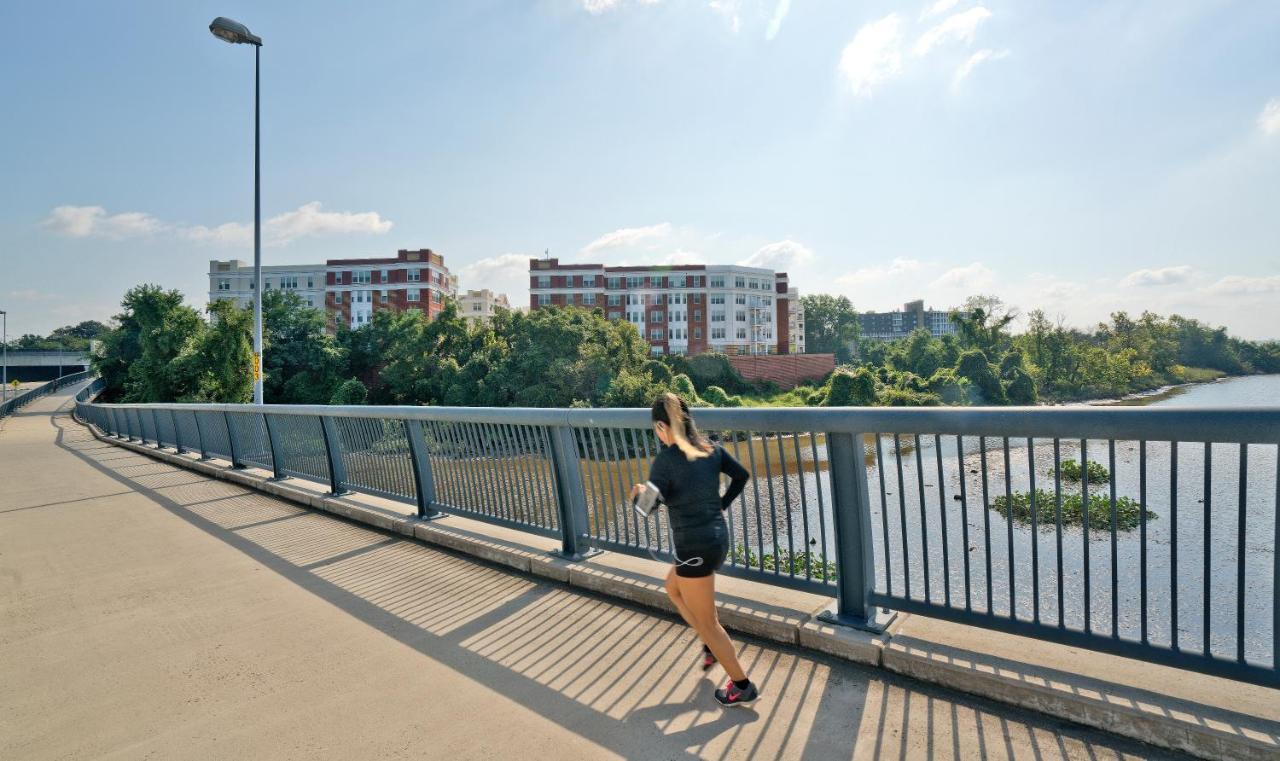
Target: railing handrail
[
  {"x": 30, "y": 395},
  {"x": 1230, "y": 425}
]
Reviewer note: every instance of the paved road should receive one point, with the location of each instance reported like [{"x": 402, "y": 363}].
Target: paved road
[{"x": 149, "y": 612}]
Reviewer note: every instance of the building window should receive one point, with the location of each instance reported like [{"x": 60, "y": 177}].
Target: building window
[
  {"x": 717, "y": 281},
  {"x": 544, "y": 299},
  {"x": 615, "y": 299},
  {"x": 697, "y": 298},
  {"x": 717, "y": 316},
  {"x": 716, "y": 298},
  {"x": 742, "y": 332},
  {"x": 588, "y": 298},
  {"x": 588, "y": 281},
  {"x": 361, "y": 277},
  {"x": 544, "y": 281},
  {"x": 337, "y": 297},
  {"x": 311, "y": 282},
  {"x": 413, "y": 294},
  {"x": 384, "y": 276},
  {"x": 414, "y": 276},
  {"x": 697, "y": 334},
  {"x": 697, "y": 315},
  {"x": 224, "y": 284},
  {"x": 289, "y": 281},
  {"x": 475, "y": 306},
  {"x": 740, "y": 315},
  {"x": 740, "y": 299},
  {"x": 310, "y": 302},
  {"x": 717, "y": 334},
  {"x": 437, "y": 297},
  {"x": 768, "y": 301},
  {"x": 739, "y": 282},
  {"x": 655, "y": 317},
  {"x": 634, "y": 281},
  {"x": 613, "y": 282},
  {"x": 677, "y": 281},
  {"x": 383, "y": 296},
  {"x": 655, "y": 334}
]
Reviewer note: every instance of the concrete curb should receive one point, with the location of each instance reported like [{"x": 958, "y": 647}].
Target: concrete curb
[{"x": 791, "y": 617}]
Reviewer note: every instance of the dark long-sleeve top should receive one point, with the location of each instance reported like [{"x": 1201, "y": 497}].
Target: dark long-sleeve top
[{"x": 691, "y": 488}]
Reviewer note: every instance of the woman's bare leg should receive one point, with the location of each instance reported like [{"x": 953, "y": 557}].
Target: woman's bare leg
[
  {"x": 700, "y": 596},
  {"x": 673, "y": 591}
]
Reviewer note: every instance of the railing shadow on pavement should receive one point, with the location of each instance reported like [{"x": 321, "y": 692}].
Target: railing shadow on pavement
[{"x": 586, "y": 663}]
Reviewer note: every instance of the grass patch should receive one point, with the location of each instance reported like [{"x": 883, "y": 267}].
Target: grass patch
[
  {"x": 1128, "y": 510},
  {"x": 1098, "y": 473},
  {"x": 787, "y": 562},
  {"x": 1199, "y": 374}
]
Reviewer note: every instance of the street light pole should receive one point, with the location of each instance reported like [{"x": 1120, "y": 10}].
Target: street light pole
[
  {"x": 236, "y": 33},
  {"x": 4, "y": 332}
]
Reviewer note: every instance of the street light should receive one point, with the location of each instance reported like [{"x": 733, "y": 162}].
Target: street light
[{"x": 236, "y": 33}]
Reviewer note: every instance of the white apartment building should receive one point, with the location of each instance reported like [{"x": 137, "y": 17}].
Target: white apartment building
[
  {"x": 795, "y": 321},
  {"x": 479, "y": 306},
  {"x": 233, "y": 279}
]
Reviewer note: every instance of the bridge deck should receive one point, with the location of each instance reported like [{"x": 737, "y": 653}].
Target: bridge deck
[{"x": 149, "y": 611}]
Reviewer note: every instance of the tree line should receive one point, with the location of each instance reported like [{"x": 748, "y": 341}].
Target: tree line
[{"x": 160, "y": 349}]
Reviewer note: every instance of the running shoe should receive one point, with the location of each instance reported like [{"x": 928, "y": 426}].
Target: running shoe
[
  {"x": 732, "y": 696},
  {"x": 708, "y": 660}
]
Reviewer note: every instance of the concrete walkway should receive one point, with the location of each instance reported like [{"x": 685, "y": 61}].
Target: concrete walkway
[{"x": 147, "y": 611}]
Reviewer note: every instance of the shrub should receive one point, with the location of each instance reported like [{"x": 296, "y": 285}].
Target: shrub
[
  {"x": 984, "y": 386},
  {"x": 350, "y": 392},
  {"x": 658, "y": 371},
  {"x": 950, "y": 388},
  {"x": 1128, "y": 510},
  {"x": 847, "y": 388},
  {"x": 682, "y": 385},
  {"x": 1021, "y": 387},
  {"x": 897, "y": 397},
  {"x": 1098, "y": 473},
  {"x": 717, "y": 397}
]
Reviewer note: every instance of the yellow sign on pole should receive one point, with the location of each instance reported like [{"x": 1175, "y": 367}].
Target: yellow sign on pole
[{"x": 257, "y": 367}]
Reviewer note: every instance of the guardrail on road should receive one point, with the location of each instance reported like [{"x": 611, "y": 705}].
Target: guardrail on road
[{"x": 1165, "y": 553}]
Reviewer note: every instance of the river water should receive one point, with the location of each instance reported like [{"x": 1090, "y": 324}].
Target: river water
[{"x": 925, "y": 493}]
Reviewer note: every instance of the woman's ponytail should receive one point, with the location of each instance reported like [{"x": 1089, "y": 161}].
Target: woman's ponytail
[{"x": 678, "y": 421}]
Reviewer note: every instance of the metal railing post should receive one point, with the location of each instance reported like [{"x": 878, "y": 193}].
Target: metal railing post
[
  {"x": 177, "y": 432},
  {"x": 851, "y": 508},
  {"x": 155, "y": 422},
  {"x": 204, "y": 453},
  {"x": 277, "y": 456},
  {"x": 333, "y": 448},
  {"x": 422, "y": 477},
  {"x": 231, "y": 441},
  {"x": 570, "y": 495}
]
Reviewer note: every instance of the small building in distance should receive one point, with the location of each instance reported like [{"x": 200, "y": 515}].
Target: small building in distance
[
  {"x": 891, "y": 326},
  {"x": 479, "y": 306}
]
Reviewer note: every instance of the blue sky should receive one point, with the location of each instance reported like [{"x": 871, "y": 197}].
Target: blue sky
[{"x": 1080, "y": 157}]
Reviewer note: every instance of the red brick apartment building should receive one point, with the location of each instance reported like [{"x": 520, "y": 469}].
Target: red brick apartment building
[{"x": 679, "y": 309}]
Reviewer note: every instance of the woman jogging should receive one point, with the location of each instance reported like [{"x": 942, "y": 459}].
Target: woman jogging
[{"x": 686, "y": 473}]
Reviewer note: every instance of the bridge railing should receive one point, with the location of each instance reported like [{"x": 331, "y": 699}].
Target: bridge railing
[
  {"x": 1148, "y": 533},
  {"x": 29, "y": 396}
]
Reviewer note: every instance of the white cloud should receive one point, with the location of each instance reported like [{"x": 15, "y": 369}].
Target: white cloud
[
  {"x": 1242, "y": 284},
  {"x": 307, "y": 220},
  {"x": 780, "y": 12},
  {"x": 971, "y": 277},
  {"x": 873, "y": 55},
  {"x": 1269, "y": 119},
  {"x": 959, "y": 26},
  {"x": 94, "y": 222},
  {"x": 781, "y": 255},
  {"x": 626, "y": 236},
  {"x": 865, "y": 275},
  {"x": 507, "y": 273},
  {"x": 1161, "y": 276},
  {"x": 940, "y": 7},
  {"x": 966, "y": 68},
  {"x": 730, "y": 10},
  {"x": 596, "y": 7}
]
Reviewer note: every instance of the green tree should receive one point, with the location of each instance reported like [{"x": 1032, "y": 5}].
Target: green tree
[
  {"x": 302, "y": 363},
  {"x": 984, "y": 384},
  {"x": 138, "y": 358},
  {"x": 830, "y": 325},
  {"x": 851, "y": 388},
  {"x": 217, "y": 367},
  {"x": 982, "y": 322}
]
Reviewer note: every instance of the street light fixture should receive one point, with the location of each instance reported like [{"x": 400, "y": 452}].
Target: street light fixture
[{"x": 236, "y": 33}]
